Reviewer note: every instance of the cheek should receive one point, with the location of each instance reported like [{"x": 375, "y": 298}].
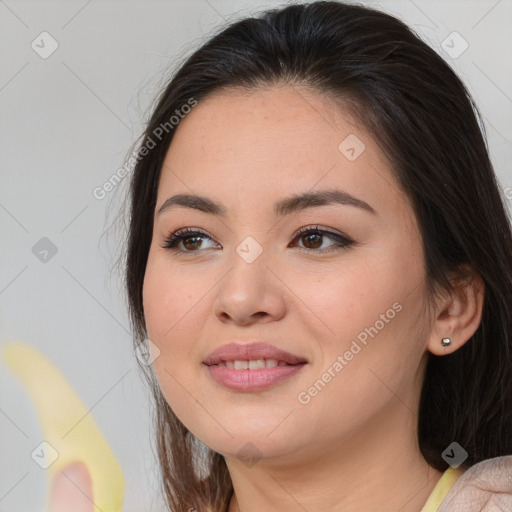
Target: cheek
[
  {"x": 167, "y": 298},
  {"x": 374, "y": 317},
  {"x": 376, "y": 303},
  {"x": 176, "y": 305},
  {"x": 169, "y": 309},
  {"x": 351, "y": 297},
  {"x": 156, "y": 298}
]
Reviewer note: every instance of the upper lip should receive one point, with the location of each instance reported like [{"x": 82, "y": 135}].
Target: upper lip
[{"x": 248, "y": 351}]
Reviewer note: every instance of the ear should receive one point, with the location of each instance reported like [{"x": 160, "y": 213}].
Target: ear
[{"x": 458, "y": 312}]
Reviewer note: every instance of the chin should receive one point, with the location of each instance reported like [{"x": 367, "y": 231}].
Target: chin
[{"x": 253, "y": 445}]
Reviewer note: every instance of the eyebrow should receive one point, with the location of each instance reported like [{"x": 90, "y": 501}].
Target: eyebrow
[{"x": 286, "y": 206}]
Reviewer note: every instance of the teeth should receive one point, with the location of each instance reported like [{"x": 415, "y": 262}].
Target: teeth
[
  {"x": 253, "y": 364},
  {"x": 256, "y": 364},
  {"x": 241, "y": 365}
]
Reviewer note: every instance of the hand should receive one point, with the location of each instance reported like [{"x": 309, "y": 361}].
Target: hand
[
  {"x": 486, "y": 486},
  {"x": 71, "y": 491}
]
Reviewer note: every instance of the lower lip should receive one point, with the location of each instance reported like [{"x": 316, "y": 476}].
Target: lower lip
[{"x": 252, "y": 380}]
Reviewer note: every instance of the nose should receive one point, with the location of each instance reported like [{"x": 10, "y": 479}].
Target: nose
[{"x": 250, "y": 292}]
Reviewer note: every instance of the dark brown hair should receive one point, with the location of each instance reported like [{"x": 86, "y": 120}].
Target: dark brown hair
[{"x": 428, "y": 126}]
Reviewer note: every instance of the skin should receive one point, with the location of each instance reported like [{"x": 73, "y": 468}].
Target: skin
[
  {"x": 72, "y": 490},
  {"x": 353, "y": 447}
]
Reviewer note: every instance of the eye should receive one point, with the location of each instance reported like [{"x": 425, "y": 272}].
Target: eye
[
  {"x": 313, "y": 239},
  {"x": 192, "y": 239}
]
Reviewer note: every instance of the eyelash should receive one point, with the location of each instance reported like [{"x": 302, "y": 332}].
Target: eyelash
[{"x": 175, "y": 238}]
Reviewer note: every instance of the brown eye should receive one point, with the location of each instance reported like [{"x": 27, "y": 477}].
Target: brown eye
[
  {"x": 312, "y": 241},
  {"x": 192, "y": 242}
]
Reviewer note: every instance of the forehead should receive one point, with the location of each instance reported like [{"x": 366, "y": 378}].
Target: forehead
[
  {"x": 267, "y": 141},
  {"x": 260, "y": 117}
]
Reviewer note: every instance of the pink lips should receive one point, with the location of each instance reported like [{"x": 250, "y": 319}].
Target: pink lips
[{"x": 247, "y": 379}]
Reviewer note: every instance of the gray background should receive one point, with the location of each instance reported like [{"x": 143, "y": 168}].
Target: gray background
[{"x": 67, "y": 123}]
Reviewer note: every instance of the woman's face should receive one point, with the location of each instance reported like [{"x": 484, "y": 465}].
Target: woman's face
[{"x": 347, "y": 300}]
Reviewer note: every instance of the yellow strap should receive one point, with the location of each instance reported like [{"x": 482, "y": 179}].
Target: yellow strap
[{"x": 442, "y": 488}]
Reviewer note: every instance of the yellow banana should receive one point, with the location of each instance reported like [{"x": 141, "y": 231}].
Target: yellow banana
[{"x": 68, "y": 428}]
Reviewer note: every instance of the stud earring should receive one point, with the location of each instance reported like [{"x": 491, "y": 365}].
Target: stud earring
[{"x": 445, "y": 342}]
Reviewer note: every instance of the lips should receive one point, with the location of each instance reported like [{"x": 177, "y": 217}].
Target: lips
[
  {"x": 250, "y": 352},
  {"x": 252, "y": 367}
]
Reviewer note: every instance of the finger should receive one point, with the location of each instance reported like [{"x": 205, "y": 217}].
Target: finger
[{"x": 72, "y": 490}]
